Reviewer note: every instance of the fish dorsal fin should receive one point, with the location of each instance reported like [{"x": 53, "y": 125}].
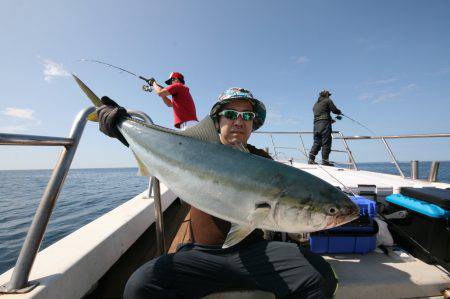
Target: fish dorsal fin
[
  {"x": 238, "y": 232},
  {"x": 204, "y": 130},
  {"x": 91, "y": 95}
]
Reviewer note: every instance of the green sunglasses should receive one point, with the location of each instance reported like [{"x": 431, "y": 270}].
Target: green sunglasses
[{"x": 233, "y": 114}]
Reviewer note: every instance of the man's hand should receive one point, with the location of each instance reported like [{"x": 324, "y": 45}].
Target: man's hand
[
  {"x": 151, "y": 81},
  {"x": 339, "y": 117},
  {"x": 108, "y": 115}
]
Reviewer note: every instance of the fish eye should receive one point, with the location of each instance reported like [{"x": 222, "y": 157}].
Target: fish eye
[{"x": 332, "y": 211}]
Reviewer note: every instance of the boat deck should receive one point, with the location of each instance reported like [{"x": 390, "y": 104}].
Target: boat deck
[
  {"x": 97, "y": 248},
  {"x": 357, "y": 179},
  {"x": 377, "y": 275}
]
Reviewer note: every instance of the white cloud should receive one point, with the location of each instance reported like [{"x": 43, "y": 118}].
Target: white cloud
[
  {"x": 52, "y": 69},
  {"x": 365, "y": 96},
  {"x": 442, "y": 72},
  {"x": 13, "y": 129},
  {"x": 17, "y": 120},
  {"x": 388, "y": 95},
  {"x": 275, "y": 118},
  {"x": 19, "y": 113},
  {"x": 382, "y": 81},
  {"x": 410, "y": 86},
  {"x": 301, "y": 60},
  {"x": 368, "y": 44}
]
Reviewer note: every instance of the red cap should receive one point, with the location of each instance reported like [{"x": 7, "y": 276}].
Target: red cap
[{"x": 174, "y": 75}]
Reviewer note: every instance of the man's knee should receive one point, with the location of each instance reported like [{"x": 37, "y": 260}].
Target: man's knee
[
  {"x": 313, "y": 286},
  {"x": 316, "y": 282},
  {"x": 136, "y": 286},
  {"x": 149, "y": 280}
]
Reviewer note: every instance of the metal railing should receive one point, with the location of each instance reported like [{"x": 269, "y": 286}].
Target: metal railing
[
  {"x": 388, "y": 148},
  {"x": 351, "y": 159},
  {"x": 344, "y": 139},
  {"x": 19, "y": 279}
]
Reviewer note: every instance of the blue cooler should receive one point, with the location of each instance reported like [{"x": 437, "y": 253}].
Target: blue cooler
[
  {"x": 425, "y": 231},
  {"x": 358, "y": 236}
]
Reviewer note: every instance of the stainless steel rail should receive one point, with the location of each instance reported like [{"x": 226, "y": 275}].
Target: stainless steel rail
[
  {"x": 351, "y": 159},
  {"x": 394, "y": 160},
  {"x": 154, "y": 185},
  {"x": 435, "y": 135},
  {"x": 30, "y": 247},
  {"x": 347, "y": 148},
  {"x": 19, "y": 279},
  {"x": 160, "y": 245},
  {"x": 389, "y": 150},
  {"x": 17, "y": 139}
]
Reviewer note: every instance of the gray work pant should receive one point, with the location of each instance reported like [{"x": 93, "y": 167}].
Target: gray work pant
[
  {"x": 194, "y": 271},
  {"x": 322, "y": 139}
]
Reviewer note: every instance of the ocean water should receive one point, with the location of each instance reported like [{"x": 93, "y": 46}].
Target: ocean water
[{"x": 88, "y": 194}]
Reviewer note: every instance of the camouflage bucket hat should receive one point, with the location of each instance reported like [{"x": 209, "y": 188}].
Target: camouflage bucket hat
[
  {"x": 236, "y": 93},
  {"x": 325, "y": 93}
]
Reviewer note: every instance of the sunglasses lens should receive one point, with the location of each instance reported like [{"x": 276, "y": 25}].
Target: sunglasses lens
[
  {"x": 230, "y": 114},
  {"x": 248, "y": 115}
]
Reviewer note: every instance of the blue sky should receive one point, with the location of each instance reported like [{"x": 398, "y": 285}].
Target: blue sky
[{"x": 386, "y": 63}]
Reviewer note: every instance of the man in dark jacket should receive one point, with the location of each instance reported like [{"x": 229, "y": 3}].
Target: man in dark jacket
[
  {"x": 202, "y": 266},
  {"x": 322, "y": 128}
]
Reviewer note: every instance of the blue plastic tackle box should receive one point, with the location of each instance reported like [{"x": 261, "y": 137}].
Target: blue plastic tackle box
[{"x": 358, "y": 236}]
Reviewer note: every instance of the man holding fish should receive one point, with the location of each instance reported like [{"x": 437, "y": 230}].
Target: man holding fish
[{"x": 224, "y": 256}]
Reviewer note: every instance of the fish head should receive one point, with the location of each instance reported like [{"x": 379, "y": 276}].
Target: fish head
[{"x": 314, "y": 212}]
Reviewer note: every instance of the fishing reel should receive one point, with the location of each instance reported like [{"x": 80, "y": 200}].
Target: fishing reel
[
  {"x": 338, "y": 117},
  {"x": 147, "y": 88}
]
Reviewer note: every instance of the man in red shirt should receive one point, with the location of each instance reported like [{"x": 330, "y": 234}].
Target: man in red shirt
[{"x": 183, "y": 105}]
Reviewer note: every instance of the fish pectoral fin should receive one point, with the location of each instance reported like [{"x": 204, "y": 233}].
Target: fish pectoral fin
[
  {"x": 142, "y": 169},
  {"x": 259, "y": 215},
  {"x": 241, "y": 147},
  {"x": 238, "y": 232},
  {"x": 204, "y": 130}
]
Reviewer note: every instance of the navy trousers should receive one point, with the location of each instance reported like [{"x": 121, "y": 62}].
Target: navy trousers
[{"x": 194, "y": 271}]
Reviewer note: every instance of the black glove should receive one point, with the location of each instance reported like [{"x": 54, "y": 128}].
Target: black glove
[
  {"x": 339, "y": 117},
  {"x": 108, "y": 115},
  {"x": 149, "y": 81}
]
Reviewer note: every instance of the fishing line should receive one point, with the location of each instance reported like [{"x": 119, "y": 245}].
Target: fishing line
[
  {"x": 343, "y": 185},
  {"x": 355, "y": 121}
]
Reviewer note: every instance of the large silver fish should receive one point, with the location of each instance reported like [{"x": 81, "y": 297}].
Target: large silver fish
[{"x": 247, "y": 190}]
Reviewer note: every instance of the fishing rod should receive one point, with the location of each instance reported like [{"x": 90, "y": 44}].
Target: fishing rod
[
  {"x": 355, "y": 121},
  {"x": 145, "y": 87}
]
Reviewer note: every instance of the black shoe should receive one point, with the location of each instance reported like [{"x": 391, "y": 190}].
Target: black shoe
[
  {"x": 327, "y": 163},
  {"x": 311, "y": 161}
]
